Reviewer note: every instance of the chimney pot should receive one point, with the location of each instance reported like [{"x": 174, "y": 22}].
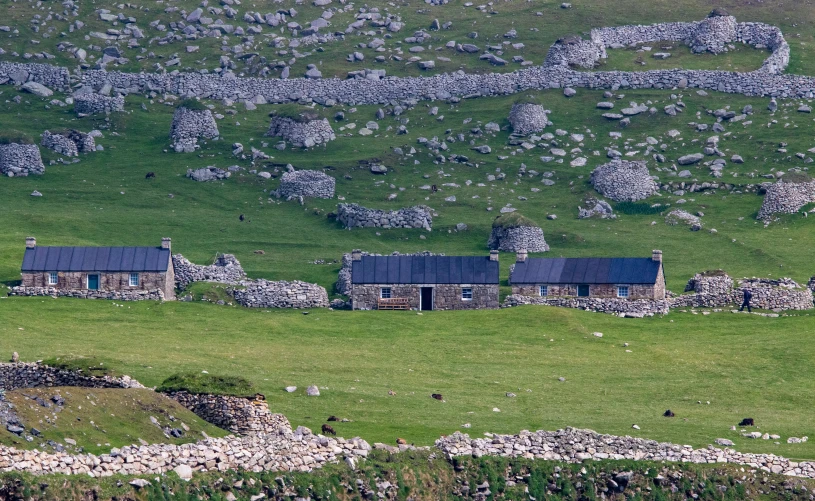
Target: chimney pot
[
  {"x": 656, "y": 256},
  {"x": 356, "y": 255},
  {"x": 165, "y": 242},
  {"x": 493, "y": 255},
  {"x": 521, "y": 256},
  {"x": 30, "y": 242}
]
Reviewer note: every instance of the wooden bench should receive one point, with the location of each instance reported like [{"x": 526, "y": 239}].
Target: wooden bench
[{"x": 394, "y": 303}]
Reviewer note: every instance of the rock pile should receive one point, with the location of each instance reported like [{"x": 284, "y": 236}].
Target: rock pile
[
  {"x": 268, "y": 294},
  {"x": 306, "y": 183},
  {"x": 225, "y": 269},
  {"x": 188, "y": 125},
  {"x": 573, "y": 51},
  {"x": 244, "y": 416},
  {"x": 93, "y": 104},
  {"x": 356, "y": 216},
  {"x": 785, "y": 198},
  {"x": 710, "y": 282},
  {"x": 679, "y": 216},
  {"x": 624, "y": 181},
  {"x": 121, "y": 295},
  {"x": 69, "y": 144},
  {"x": 20, "y": 160},
  {"x": 343, "y": 285},
  {"x": 529, "y": 238},
  {"x": 527, "y": 118},
  {"x": 37, "y": 375},
  {"x": 208, "y": 174},
  {"x": 303, "y": 133},
  {"x": 595, "y": 207}
]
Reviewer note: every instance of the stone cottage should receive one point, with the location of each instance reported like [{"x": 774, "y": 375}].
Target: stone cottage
[
  {"x": 618, "y": 277},
  {"x": 120, "y": 273},
  {"x": 424, "y": 282}
]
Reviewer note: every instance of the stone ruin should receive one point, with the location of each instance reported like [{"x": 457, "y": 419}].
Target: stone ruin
[
  {"x": 225, "y": 269},
  {"x": 93, "y": 104},
  {"x": 189, "y": 125},
  {"x": 243, "y": 416},
  {"x": 357, "y": 216},
  {"x": 710, "y": 282},
  {"x": 70, "y": 143},
  {"x": 517, "y": 238},
  {"x": 785, "y": 198},
  {"x": 343, "y": 285},
  {"x": 624, "y": 181},
  {"x": 713, "y": 33},
  {"x": 267, "y": 294},
  {"x": 210, "y": 173},
  {"x": 527, "y": 118},
  {"x": 573, "y": 51},
  {"x": 305, "y": 132},
  {"x": 595, "y": 207},
  {"x": 20, "y": 160},
  {"x": 713, "y": 289},
  {"x": 680, "y": 216},
  {"x": 305, "y": 183}
]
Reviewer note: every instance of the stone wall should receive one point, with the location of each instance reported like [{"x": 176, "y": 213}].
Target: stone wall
[
  {"x": 70, "y": 143},
  {"x": 769, "y": 294},
  {"x": 343, "y": 285},
  {"x": 623, "y": 307},
  {"x": 445, "y": 296},
  {"x": 356, "y": 216},
  {"x": 130, "y": 295},
  {"x": 244, "y": 416},
  {"x": 267, "y": 294},
  {"x": 189, "y": 125},
  {"x": 20, "y": 160},
  {"x": 36, "y": 375},
  {"x": 306, "y": 183},
  {"x": 225, "y": 269},
  {"x": 529, "y": 238},
  {"x": 75, "y": 284},
  {"x": 623, "y": 181},
  {"x": 710, "y": 283},
  {"x": 596, "y": 291},
  {"x": 93, "y": 104},
  {"x": 53, "y": 77},
  {"x": 303, "y": 134},
  {"x": 785, "y": 198}
]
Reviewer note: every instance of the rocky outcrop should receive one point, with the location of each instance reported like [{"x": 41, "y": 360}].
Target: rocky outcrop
[
  {"x": 20, "y": 160},
  {"x": 529, "y": 238},
  {"x": 785, "y": 198},
  {"x": 94, "y": 104},
  {"x": 244, "y": 416},
  {"x": 307, "y": 184},
  {"x": 37, "y": 375},
  {"x": 189, "y": 125},
  {"x": 356, "y": 216},
  {"x": 226, "y": 269},
  {"x": 303, "y": 133},
  {"x": 527, "y": 118},
  {"x": 268, "y": 294},
  {"x": 122, "y": 295},
  {"x": 624, "y": 181}
]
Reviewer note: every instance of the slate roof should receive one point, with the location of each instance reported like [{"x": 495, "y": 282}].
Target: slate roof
[
  {"x": 616, "y": 270},
  {"x": 424, "y": 270},
  {"x": 102, "y": 259}
]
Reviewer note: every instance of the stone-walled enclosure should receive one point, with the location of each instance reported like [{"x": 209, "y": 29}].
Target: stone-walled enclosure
[
  {"x": 624, "y": 181},
  {"x": 356, "y": 216},
  {"x": 520, "y": 238},
  {"x": 527, "y": 118},
  {"x": 716, "y": 290},
  {"x": 785, "y": 198},
  {"x": 225, "y": 269},
  {"x": 305, "y": 184},
  {"x": 189, "y": 125},
  {"x": 70, "y": 143},
  {"x": 97, "y": 104},
  {"x": 267, "y": 294},
  {"x": 20, "y": 160},
  {"x": 303, "y": 133},
  {"x": 445, "y": 297},
  {"x": 244, "y": 416}
]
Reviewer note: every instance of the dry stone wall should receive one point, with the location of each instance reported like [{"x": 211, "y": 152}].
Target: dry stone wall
[
  {"x": 20, "y": 160},
  {"x": 768, "y": 294},
  {"x": 121, "y": 295},
  {"x": 707, "y": 283},
  {"x": 69, "y": 144},
  {"x": 622, "y": 307},
  {"x": 37, "y": 375},
  {"x": 302, "y": 134},
  {"x": 356, "y": 216},
  {"x": 306, "y": 183},
  {"x": 527, "y": 118},
  {"x": 189, "y": 125},
  {"x": 785, "y": 198},
  {"x": 624, "y": 181},
  {"x": 244, "y": 416},
  {"x": 53, "y": 77},
  {"x": 267, "y": 294},
  {"x": 225, "y": 269},
  {"x": 529, "y": 238},
  {"x": 93, "y": 104}
]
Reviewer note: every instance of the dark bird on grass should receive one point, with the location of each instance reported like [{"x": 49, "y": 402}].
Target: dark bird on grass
[{"x": 241, "y": 217}]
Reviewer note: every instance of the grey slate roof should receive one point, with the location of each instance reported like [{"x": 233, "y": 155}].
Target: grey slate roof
[
  {"x": 102, "y": 259},
  {"x": 424, "y": 270},
  {"x": 616, "y": 270}
]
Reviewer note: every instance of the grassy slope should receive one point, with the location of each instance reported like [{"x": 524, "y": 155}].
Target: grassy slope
[
  {"x": 745, "y": 366},
  {"x": 744, "y": 58}
]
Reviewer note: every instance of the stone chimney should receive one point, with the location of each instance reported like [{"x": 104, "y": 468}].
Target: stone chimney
[
  {"x": 493, "y": 255},
  {"x": 356, "y": 255},
  {"x": 165, "y": 242},
  {"x": 656, "y": 256},
  {"x": 30, "y": 242},
  {"x": 520, "y": 257}
]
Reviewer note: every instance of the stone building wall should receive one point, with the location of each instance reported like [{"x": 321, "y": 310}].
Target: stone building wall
[
  {"x": 343, "y": 285},
  {"x": 573, "y": 51},
  {"x": 97, "y": 104},
  {"x": 189, "y": 125},
  {"x": 527, "y": 118},
  {"x": 120, "y": 295},
  {"x": 602, "y": 291},
  {"x": 244, "y": 416},
  {"x": 225, "y": 269},
  {"x": 267, "y": 294},
  {"x": 20, "y": 160},
  {"x": 60, "y": 144},
  {"x": 623, "y": 181},
  {"x": 306, "y": 183},
  {"x": 445, "y": 296},
  {"x": 356, "y": 216},
  {"x": 302, "y": 134},
  {"x": 710, "y": 283},
  {"x": 785, "y": 198},
  {"x": 36, "y": 375},
  {"x": 76, "y": 282}
]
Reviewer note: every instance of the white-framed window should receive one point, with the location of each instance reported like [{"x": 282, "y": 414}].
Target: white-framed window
[
  {"x": 53, "y": 278},
  {"x": 467, "y": 293},
  {"x": 622, "y": 291},
  {"x": 385, "y": 293},
  {"x": 134, "y": 280},
  {"x": 544, "y": 290}
]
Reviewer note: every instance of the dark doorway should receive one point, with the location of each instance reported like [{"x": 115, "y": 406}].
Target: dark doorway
[
  {"x": 427, "y": 299},
  {"x": 582, "y": 291},
  {"x": 93, "y": 282}
]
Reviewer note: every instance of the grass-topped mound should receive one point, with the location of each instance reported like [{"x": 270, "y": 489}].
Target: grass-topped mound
[
  {"x": 15, "y": 137},
  {"x": 713, "y": 273},
  {"x": 192, "y": 104},
  {"x": 512, "y": 220},
  {"x": 796, "y": 177},
  {"x": 203, "y": 383},
  {"x": 89, "y": 366}
]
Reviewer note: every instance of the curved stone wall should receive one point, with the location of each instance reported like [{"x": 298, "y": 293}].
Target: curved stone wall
[
  {"x": 528, "y": 238},
  {"x": 92, "y": 104},
  {"x": 20, "y": 160},
  {"x": 785, "y": 198},
  {"x": 244, "y": 416},
  {"x": 188, "y": 125},
  {"x": 356, "y": 216},
  {"x": 306, "y": 183}
]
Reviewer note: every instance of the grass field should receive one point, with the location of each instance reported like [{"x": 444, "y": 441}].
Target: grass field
[
  {"x": 745, "y": 366},
  {"x": 743, "y": 58}
]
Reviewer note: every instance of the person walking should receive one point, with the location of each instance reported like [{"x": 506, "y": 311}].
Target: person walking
[{"x": 747, "y": 297}]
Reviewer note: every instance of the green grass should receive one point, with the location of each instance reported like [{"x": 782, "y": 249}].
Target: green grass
[
  {"x": 89, "y": 366},
  {"x": 744, "y": 365},
  {"x": 512, "y": 220},
  {"x": 743, "y": 58},
  {"x": 203, "y": 383}
]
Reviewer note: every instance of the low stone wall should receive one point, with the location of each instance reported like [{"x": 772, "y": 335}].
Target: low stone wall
[
  {"x": 53, "y": 77},
  {"x": 129, "y": 295},
  {"x": 573, "y": 445},
  {"x": 93, "y": 104},
  {"x": 356, "y": 216},
  {"x": 710, "y": 283},
  {"x": 306, "y": 183},
  {"x": 626, "y": 307},
  {"x": 529, "y": 238},
  {"x": 303, "y": 134},
  {"x": 623, "y": 181},
  {"x": 36, "y": 375},
  {"x": 768, "y": 294},
  {"x": 20, "y": 160},
  {"x": 785, "y": 198},
  {"x": 188, "y": 125},
  {"x": 267, "y": 294},
  {"x": 225, "y": 269},
  {"x": 343, "y": 285},
  {"x": 60, "y": 144},
  {"x": 244, "y": 416}
]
